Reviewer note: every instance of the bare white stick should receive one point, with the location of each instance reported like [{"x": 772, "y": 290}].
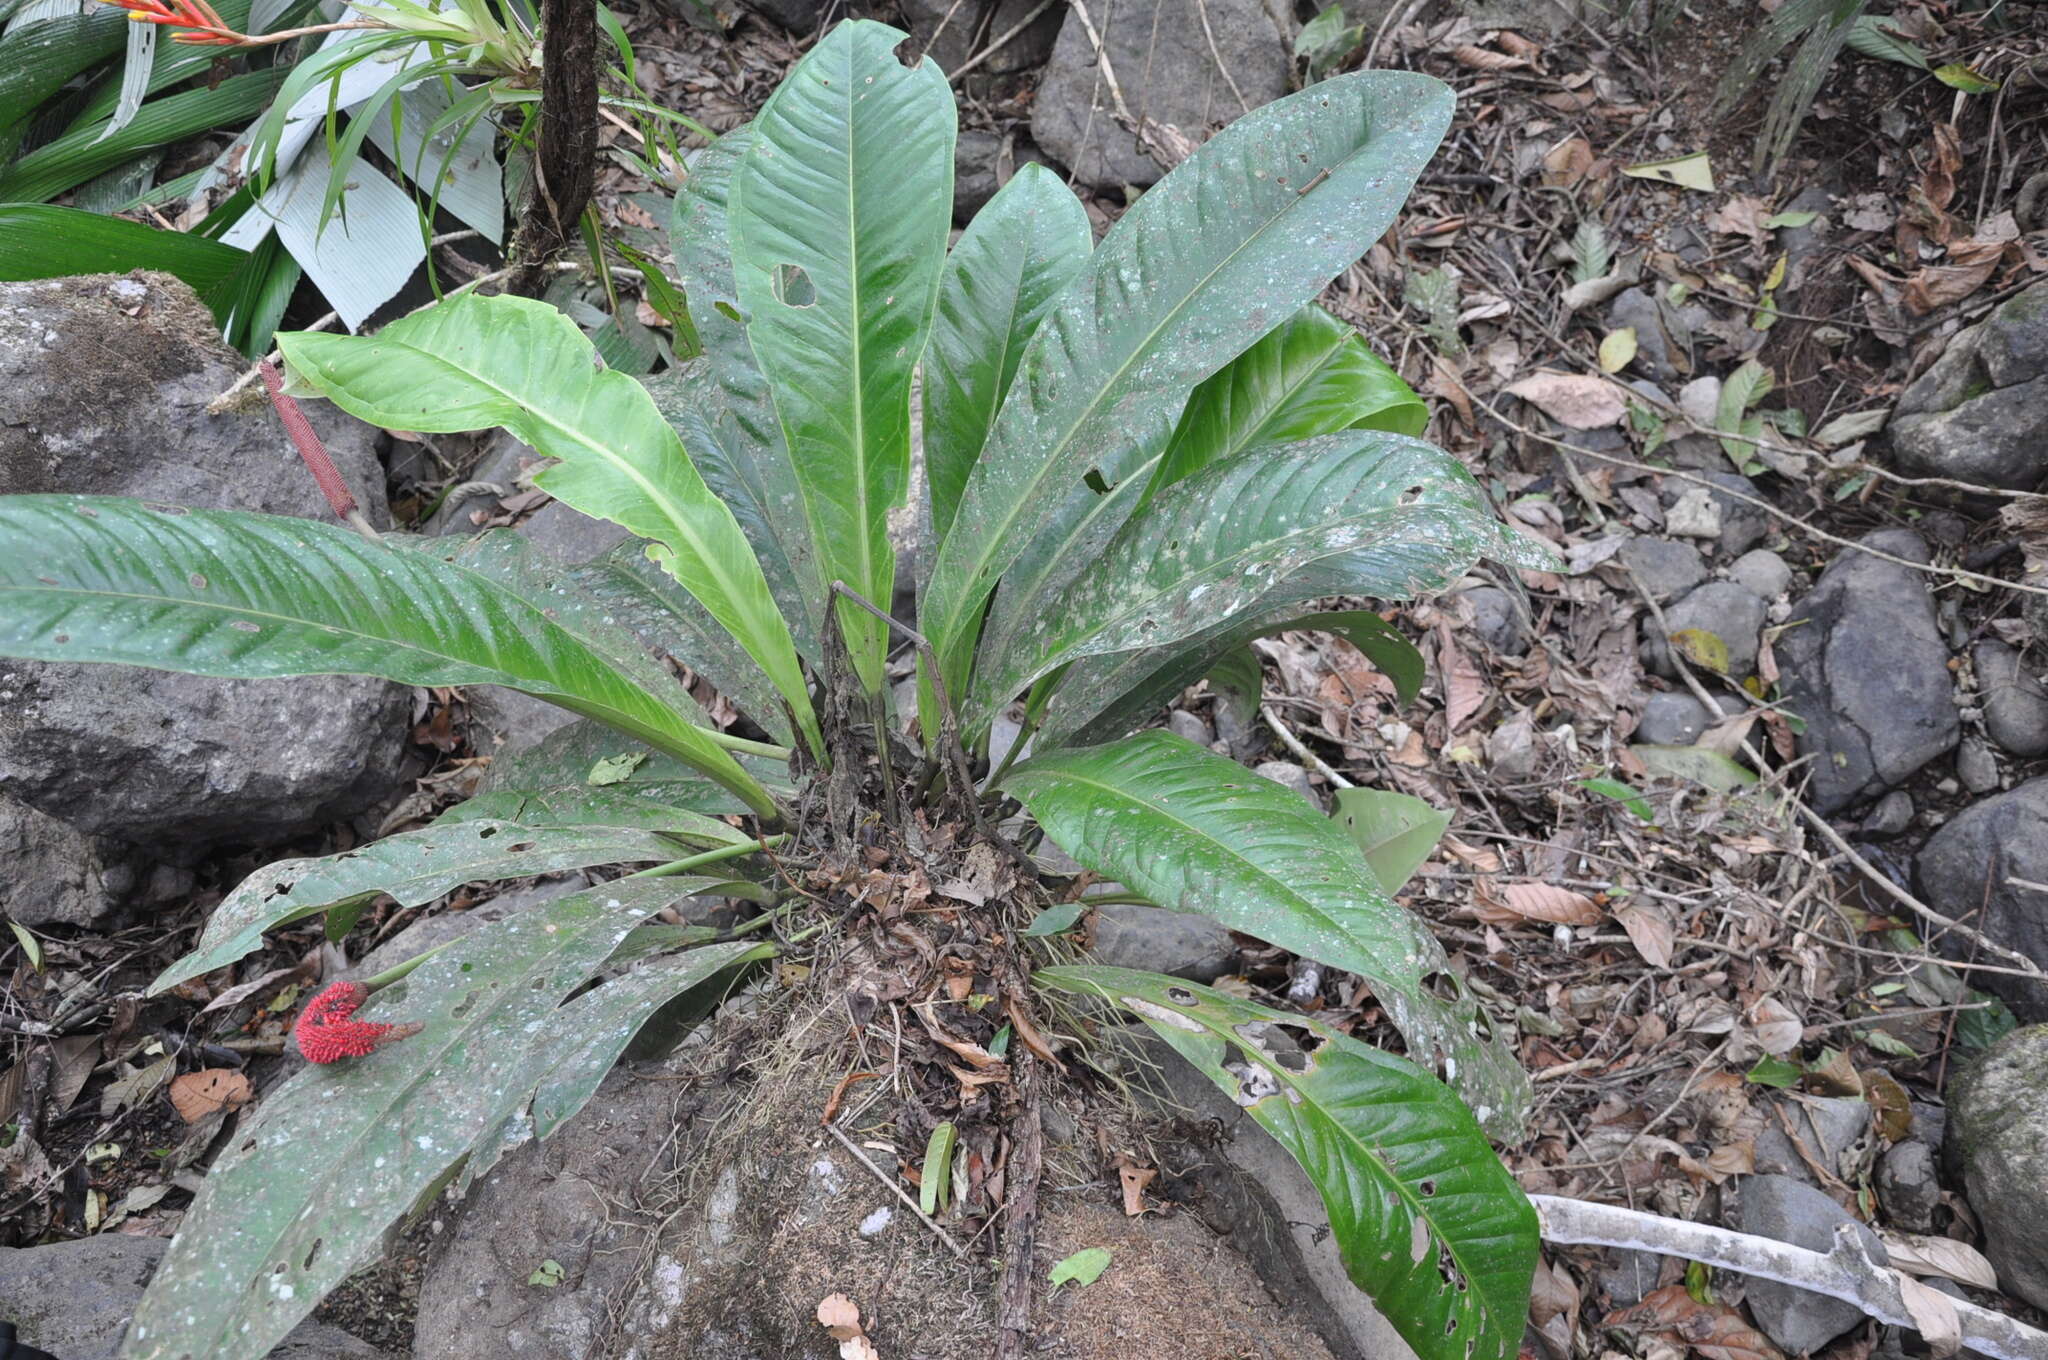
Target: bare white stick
[{"x": 1847, "y": 1273}]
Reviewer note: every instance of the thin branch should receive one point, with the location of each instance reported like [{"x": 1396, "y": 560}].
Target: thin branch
[{"x": 1848, "y": 1272}]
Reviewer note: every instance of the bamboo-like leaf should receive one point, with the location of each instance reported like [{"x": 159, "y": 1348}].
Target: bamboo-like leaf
[
  {"x": 1197, "y": 832},
  {"x": 37, "y": 60},
  {"x": 1241, "y": 235},
  {"x": 471, "y": 363},
  {"x": 1023, "y": 248},
  {"x": 212, "y": 592},
  {"x": 1427, "y": 1220},
  {"x": 839, "y": 213},
  {"x": 1314, "y": 375},
  {"x": 1404, "y": 515},
  {"x": 303, "y": 1194},
  {"x": 38, "y": 241}
]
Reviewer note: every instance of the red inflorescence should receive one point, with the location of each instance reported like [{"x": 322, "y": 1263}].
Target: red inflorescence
[
  {"x": 326, "y": 1034},
  {"x": 197, "y": 19}
]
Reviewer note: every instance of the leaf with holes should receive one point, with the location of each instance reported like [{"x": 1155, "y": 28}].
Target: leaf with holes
[
  {"x": 414, "y": 868},
  {"x": 839, "y": 212},
  {"x": 1427, "y": 1220},
  {"x": 1394, "y": 831},
  {"x": 257, "y": 1250},
  {"x": 474, "y": 362},
  {"x": 218, "y": 592},
  {"x": 1197, "y": 832},
  {"x": 1182, "y": 284}
]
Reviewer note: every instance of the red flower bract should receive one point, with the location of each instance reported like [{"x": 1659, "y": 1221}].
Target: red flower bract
[
  {"x": 325, "y": 1033},
  {"x": 198, "y": 18}
]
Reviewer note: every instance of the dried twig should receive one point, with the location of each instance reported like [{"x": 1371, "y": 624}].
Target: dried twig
[
  {"x": 1300, "y": 750},
  {"x": 1848, "y": 1272}
]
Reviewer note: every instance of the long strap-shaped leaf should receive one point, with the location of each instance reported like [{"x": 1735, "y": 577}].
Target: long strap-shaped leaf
[
  {"x": 304, "y": 1193},
  {"x": 1237, "y": 238},
  {"x": 1004, "y": 274},
  {"x": 839, "y": 214},
  {"x": 1427, "y": 1220},
  {"x": 471, "y": 363},
  {"x": 1197, "y": 832},
  {"x": 214, "y": 592},
  {"x": 1237, "y": 534}
]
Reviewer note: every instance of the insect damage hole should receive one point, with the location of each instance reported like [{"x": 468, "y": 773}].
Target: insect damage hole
[{"x": 793, "y": 286}]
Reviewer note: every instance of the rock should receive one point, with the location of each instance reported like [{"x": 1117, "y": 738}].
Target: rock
[
  {"x": 1866, "y": 667},
  {"x": 1287, "y": 773},
  {"x": 504, "y": 722},
  {"x": 1740, "y": 526},
  {"x": 1980, "y": 414},
  {"x": 984, "y": 163},
  {"x": 1155, "y": 940},
  {"x": 1626, "y": 1275},
  {"x": 798, "y": 16},
  {"x": 1998, "y": 1118},
  {"x": 1666, "y": 567},
  {"x": 570, "y": 536},
  {"x": 1781, "y": 1208},
  {"x": 104, "y": 383},
  {"x": 1762, "y": 573},
  {"x": 1976, "y": 766},
  {"x": 1700, "y": 401},
  {"x": 1722, "y": 608},
  {"x": 1496, "y": 620},
  {"x": 951, "y": 33},
  {"x": 74, "y": 1299},
  {"x": 1168, "y": 75},
  {"x": 1663, "y": 348},
  {"x": 1892, "y": 815},
  {"x": 2015, "y": 703},
  {"x": 1189, "y": 727},
  {"x": 54, "y": 875},
  {"x": 1672, "y": 719},
  {"x": 1963, "y": 872},
  {"x": 1831, "y": 1128},
  {"x": 1906, "y": 1186}
]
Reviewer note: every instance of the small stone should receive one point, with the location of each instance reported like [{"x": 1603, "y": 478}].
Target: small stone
[
  {"x": 1666, "y": 568},
  {"x": 1907, "y": 1188},
  {"x": 1189, "y": 727},
  {"x": 1783, "y": 1209},
  {"x": 1628, "y": 1274},
  {"x": 1694, "y": 513},
  {"x": 1831, "y": 1128},
  {"x": 2015, "y": 703},
  {"x": 1289, "y": 774},
  {"x": 1762, "y": 573},
  {"x": 1496, "y": 620},
  {"x": 1658, "y": 351},
  {"x": 1700, "y": 400},
  {"x": 1976, "y": 766},
  {"x": 1998, "y": 1120},
  {"x": 1671, "y": 719},
  {"x": 1155, "y": 940},
  {"x": 1971, "y": 870},
  {"x": 1891, "y": 816},
  {"x": 1721, "y": 608}
]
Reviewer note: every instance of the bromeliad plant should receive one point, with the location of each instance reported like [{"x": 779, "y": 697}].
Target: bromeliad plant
[{"x": 1136, "y": 459}]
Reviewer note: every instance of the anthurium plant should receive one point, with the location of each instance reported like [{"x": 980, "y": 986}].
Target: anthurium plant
[{"x": 1138, "y": 456}]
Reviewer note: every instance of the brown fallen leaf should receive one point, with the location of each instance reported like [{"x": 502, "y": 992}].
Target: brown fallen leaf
[
  {"x": 1538, "y": 902},
  {"x": 1650, "y": 930},
  {"x": 840, "y": 1316},
  {"x": 1134, "y": 1179},
  {"x": 198, "y": 1094},
  {"x": 1577, "y": 400},
  {"x": 1742, "y": 215},
  {"x": 1772, "y": 1024},
  {"x": 1937, "y": 285},
  {"x": 1714, "y": 1331},
  {"x": 1485, "y": 59}
]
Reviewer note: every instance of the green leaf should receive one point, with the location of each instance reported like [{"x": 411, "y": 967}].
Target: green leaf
[
  {"x": 1870, "y": 38},
  {"x": 301, "y": 1198},
  {"x": 471, "y": 362},
  {"x": 39, "y": 242},
  {"x": 618, "y": 808},
  {"x": 1741, "y": 390},
  {"x": 1590, "y": 253},
  {"x": 1084, "y": 1267},
  {"x": 547, "y": 1275},
  {"x": 1326, "y": 40},
  {"x": 414, "y": 868},
  {"x": 934, "y": 1184},
  {"x": 1314, "y": 375},
  {"x": 1394, "y": 831},
  {"x": 1248, "y": 228},
  {"x": 1790, "y": 218},
  {"x": 1984, "y": 1027},
  {"x": 615, "y": 769},
  {"x": 1775, "y": 1072},
  {"x": 1052, "y": 921},
  {"x": 1027, "y": 244},
  {"x": 839, "y": 214},
  {"x": 1239, "y": 682},
  {"x": 1196, "y": 832},
  {"x": 1434, "y": 293},
  {"x": 1238, "y": 535},
  {"x": 33, "y": 947},
  {"x": 211, "y": 592},
  {"x": 1622, "y": 794},
  {"x": 1968, "y": 79},
  {"x": 1427, "y": 1220},
  {"x": 39, "y": 59},
  {"x": 1697, "y": 765}
]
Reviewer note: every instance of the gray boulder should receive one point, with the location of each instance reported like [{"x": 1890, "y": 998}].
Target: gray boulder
[
  {"x": 1721, "y": 608},
  {"x": 1866, "y": 667},
  {"x": 1964, "y": 871},
  {"x": 1666, "y": 567},
  {"x": 53, "y": 873},
  {"x": 1998, "y": 1122},
  {"x": 2015, "y": 703},
  {"x": 1155, "y": 940},
  {"x": 1980, "y": 414},
  {"x": 951, "y": 32},
  {"x": 1164, "y": 65},
  {"x": 104, "y": 384},
  {"x": 1783, "y": 1209},
  {"x": 74, "y": 1299},
  {"x": 1832, "y": 1129}
]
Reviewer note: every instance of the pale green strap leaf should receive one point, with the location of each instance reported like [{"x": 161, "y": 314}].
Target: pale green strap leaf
[
  {"x": 1196, "y": 832},
  {"x": 305, "y": 1190},
  {"x": 1426, "y": 1218},
  {"x": 471, "y": 362},
  {"x": 1241, "y": 235},
  {"x": 1008, "y": 268},
  {"x": 215, "y": 592},
  {"x": 839, "y": 214},
  {"x": 1394, "y": 831}
]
